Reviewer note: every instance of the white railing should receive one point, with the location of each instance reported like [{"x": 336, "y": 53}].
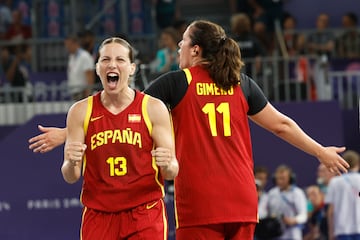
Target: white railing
[
  {"x": 345, "y": 87},
  {"x": 282, "y": 79}
]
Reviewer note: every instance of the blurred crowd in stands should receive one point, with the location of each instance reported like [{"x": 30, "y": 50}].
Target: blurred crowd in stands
[
  {"x": 261, "y": 27},
  {"x": 327, "y": 209}
]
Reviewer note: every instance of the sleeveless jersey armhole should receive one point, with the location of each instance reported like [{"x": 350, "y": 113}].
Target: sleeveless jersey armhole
[
  {"x": 88, "y": 113},
  {"x": 188, "y": 75},
  {"x": 145, "y": 113},
  {"x": 89, "y": 108}
]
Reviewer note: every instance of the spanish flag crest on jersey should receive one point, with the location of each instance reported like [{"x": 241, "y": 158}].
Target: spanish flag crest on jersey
[{"x": 134, "y": 118}]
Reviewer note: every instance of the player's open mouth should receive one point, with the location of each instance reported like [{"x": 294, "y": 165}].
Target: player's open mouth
[{"x": 112, "y": 77}]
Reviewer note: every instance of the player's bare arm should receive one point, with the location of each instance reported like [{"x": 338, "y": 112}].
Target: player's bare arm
[
  {"x": 50, "y": 138},
  {"x": 74, "y": 146},
  {"x": 164, "y": 151},
  {"x": 287, "y": 129}
]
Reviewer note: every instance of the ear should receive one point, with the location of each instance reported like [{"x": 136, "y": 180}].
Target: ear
[
  {"x": 195, "y": 51},
  {"x": 132, "y": 69},
  {"x": 97, "y": 69}
]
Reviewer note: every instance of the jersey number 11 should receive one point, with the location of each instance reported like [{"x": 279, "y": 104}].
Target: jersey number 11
[{"x": 224, "y": 109}]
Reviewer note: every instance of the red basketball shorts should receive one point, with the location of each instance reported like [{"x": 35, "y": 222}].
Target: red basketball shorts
[{"x": 143, "y": 222}]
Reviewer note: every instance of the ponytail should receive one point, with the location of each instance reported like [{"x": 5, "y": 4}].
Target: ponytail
[
  {"x": 221, "y": 54},
  {"x": 226, "y": 68}
]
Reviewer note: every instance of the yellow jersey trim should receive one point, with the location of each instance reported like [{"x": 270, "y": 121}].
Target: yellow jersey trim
[
  {"x": 149, "y": 127},
  {"x": 82, "y": 222},
  {"x": 164, "y": 219},
  {"x": 145, "y": 113},
  {"x": 90, "y": 101},
  {"x": 188, "y": 75},
  {"x": 175, "y": 210}
]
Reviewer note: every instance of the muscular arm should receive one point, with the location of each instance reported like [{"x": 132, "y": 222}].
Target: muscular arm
[
  {"x": 287, "y": 129},
  {"x": 164, "y": 152},
  {"x": 74, "y": 145}
]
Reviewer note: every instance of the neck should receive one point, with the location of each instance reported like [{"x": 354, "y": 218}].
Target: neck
[
  {"x": 354, "y": 169},
  {"x": 285, "y": 188},
  {"x": 116, "y": 103}
]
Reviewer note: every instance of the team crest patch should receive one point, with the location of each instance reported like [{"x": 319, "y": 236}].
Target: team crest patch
[{"x": 134, "y": 118}]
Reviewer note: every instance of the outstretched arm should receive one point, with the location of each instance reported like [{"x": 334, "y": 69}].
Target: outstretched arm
[
  {"x": 50, "y": 138},
  {"x": 287, "y": 129}
]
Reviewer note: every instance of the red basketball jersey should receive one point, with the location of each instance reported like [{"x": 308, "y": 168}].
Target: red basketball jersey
[
  {"x": 119, "y": 171},
  {"x": 215, "y": 182}
]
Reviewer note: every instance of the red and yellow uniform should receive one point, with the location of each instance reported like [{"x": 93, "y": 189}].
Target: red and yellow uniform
[
  {"x": 221, "y": 188},
  {"x": 120, "y": 178}
]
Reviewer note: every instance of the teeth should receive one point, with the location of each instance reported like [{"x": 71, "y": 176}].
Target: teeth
[{"x": 112, "y": 75}]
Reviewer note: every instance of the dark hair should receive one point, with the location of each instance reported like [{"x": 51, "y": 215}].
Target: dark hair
[
  {"x": 352, "y": 17},
  {"x": 122, "y": 42},
  {"x": 221, "y": 54},
  {"x": 86, "y": 33},
  {"x": 287, "y": 16},
  {"x": 172, "y": 33},
  {"x": 261, "y": 169},
  {"x": 74, "y": 37},
  {"x": 352, "y": 158},
  {"x": 240, "y": 23},
  {"x": 284, "y": 168}
]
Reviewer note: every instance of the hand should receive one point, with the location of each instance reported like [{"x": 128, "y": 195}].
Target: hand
[
  {"x": 50, "y": 138},
  {"x": 289, "y": 221},
  {"x": 74, "y": 152},
  {"x": 162, "y": 157},
  {"x": 333, "y": 161}
]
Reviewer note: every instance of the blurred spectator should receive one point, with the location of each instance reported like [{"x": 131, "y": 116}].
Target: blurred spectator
[
  {"x": 87, "y": 42},
  {"x": 167, "y": 56},
  {"x": 25, "y": 60},
  {"x": 80, "y": 69},
  {"x": 323, "y": 177},
  {"x": 5, "y": 17},
  {"x": 240, "y": 6},
  {"x": 17, "y": 30},
  {"x": 14, "y": 75},
  {"x": 322, "y": 41},
  {"x": 287, "y": 202},
  {"x": 180, "y": 26},
  {"x": 250, "y": 47},
  {"x": 265, "y": 14},
  {"x": 261, "y": 173},
  {"x": 294, "y": 40},
  {"x": 166, "y": 12},
  {"x": 261, "y": 177},
  {"x": 317, "y": 221},
  {"x": 344, "y": 203},
  {"x": 348, "y": 44}
]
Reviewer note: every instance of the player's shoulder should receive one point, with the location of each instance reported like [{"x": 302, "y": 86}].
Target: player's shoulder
[
  {"x": 153, "y": 102},
  {"x": 174, "y": 74},
  {"x": 79, "y": 106}
]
